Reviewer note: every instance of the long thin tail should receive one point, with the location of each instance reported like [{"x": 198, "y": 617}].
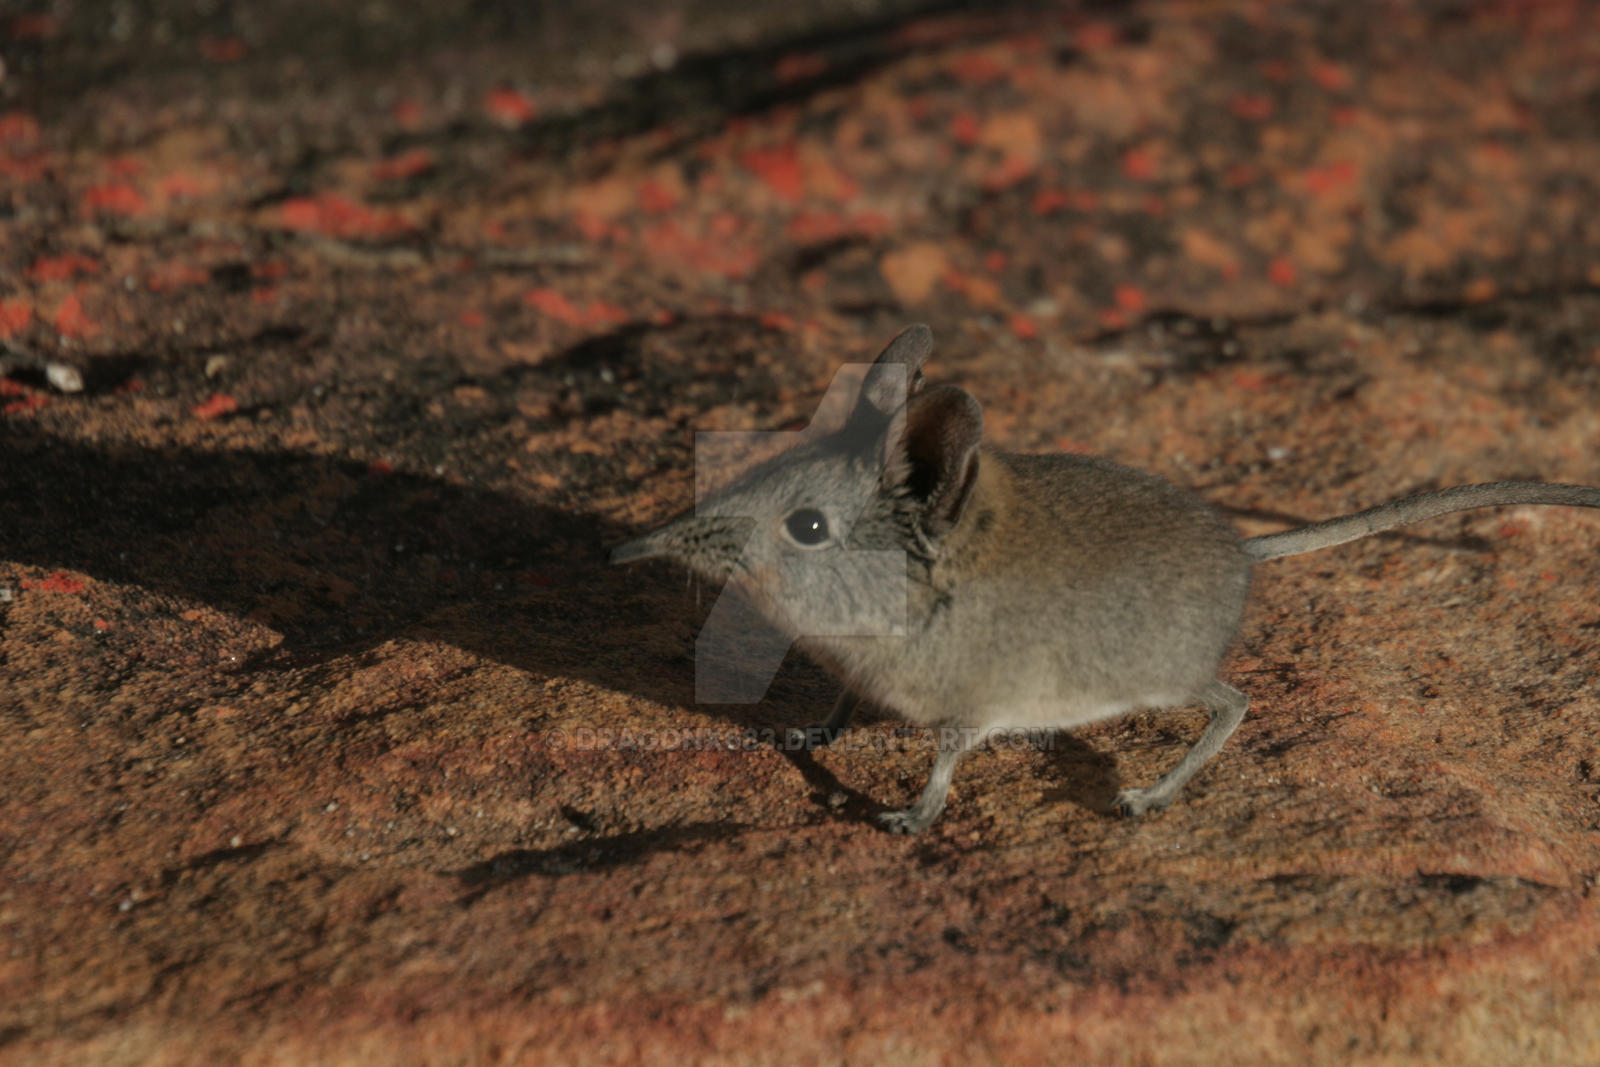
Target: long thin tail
[{"x": 1415, "y": 509}]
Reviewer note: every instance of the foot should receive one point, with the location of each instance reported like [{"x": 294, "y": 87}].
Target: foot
[
  {"x": 910, "y": 821},
  {"x": 1131, "y": 802}
]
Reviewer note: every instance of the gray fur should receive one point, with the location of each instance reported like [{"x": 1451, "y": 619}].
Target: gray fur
[
  {"x": 1416, "y": 509},
  {"x": 975, "y": 590}
]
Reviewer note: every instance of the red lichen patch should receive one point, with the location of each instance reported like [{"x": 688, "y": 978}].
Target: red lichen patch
[
  {"x": 1139, "y": 163},
  {"x": 826, "y": 180},
  {"x": 714, "y": 253},
  {"x": 31, "y": 402},
  {"x": 779, "y": 167},
  {"x": 1281, "y": 272},
  {"x": 223, "y": 49},
  {"x": 214, "y": 407},
  {"x": 597, "y": 313},
  {"x": 62, "y": 267},
  {"x": 553, "y": 304},
  {"x": 1023, "y": 326},
  {"x": 33, "y": 27},
  {"x": 472, "y": 319},
  {"x": 818, "y": 227},
  {"x": 24, "y": 168},
  {"x": 657, "y": 197},
  {"x": 1130, "y": 298},
  {"x": 965, "y": 129},
  {"x": 380, "y": 467},
  {"x": 338, "y": 216},
  {"x": 18, "y": 130},
  {"x": 1011, "y": 171},
  {"x": 405, "y": 165},
  {"x": 1095, "y": 35},
  {"x": 980, "y": 291},
  {"x": 15, "y": 316},
  {"x": 174, "y": 275},
  {"x": 1238, "y": 175},
  {"x": 976, "y": 68},
  {"x": 870, "y": 224},
  {"x": 1209, "y": 251},
  {"x": 114, "y": 199},
  {"x": 799, "y": 66},
  {"x": 24, "y": 398},
  {"x": 509, "y": 107},
  {"x": 408, "y": 113},
  {"x": 70, "y": 320},
  {"x": 1279, "y": 71},
  {"x": 187, "y": 185},
  {"x": 1252, "y": 107},
  {"x": 1334, "y": 178},
  {"x": 594, "y": 228},
  {"x": 600, "y": 313},
  {"x": 56, "y": 582},
  {"x": 1330, "y": 76},
  {"x": 1049, "y": 201}
]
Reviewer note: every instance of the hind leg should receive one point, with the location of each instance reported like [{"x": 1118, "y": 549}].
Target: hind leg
[{"x": 1227, "y": 706}]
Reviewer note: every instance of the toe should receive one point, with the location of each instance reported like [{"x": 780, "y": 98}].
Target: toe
[{"x": 900, "y": 822}]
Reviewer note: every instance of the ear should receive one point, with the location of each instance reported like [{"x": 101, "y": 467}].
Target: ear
[
  {"x": 896, "y": 374},
  {"x": 933, "y": 452}
]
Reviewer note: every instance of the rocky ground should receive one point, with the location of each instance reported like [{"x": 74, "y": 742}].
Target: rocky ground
[{"x": 328, "y": 736}]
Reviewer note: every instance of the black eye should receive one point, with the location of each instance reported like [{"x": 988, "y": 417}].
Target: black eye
[{"x": 808, "y": 526}]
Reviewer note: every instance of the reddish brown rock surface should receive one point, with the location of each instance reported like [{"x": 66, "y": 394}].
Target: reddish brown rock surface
[{"x": 389, "y": 323}]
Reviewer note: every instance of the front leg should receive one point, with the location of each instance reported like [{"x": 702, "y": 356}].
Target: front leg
[
  {"x": 953, "y": 744},
  {"x": 818, "y": 734},
  {"x": 1227, "y": 707}
]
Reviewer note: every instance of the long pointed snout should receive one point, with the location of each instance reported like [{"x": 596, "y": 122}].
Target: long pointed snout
[
  {"x": 647, "y": 547},
  {"x": 706, "y": 544}
]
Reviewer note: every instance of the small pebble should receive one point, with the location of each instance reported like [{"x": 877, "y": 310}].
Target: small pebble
[{"x": 63, "y": 376}]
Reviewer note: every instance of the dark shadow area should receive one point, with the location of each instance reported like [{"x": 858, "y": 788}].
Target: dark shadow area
[
  {"x": 833, "y": 798},
  {"x": 338, "y": 558},
  {"x": 700, "y": 93},
  {"x": 1082, "y": 775},
  {"x": 593, "y": 854}
]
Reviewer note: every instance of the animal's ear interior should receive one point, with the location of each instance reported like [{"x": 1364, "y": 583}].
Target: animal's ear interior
[
  {"x": 896, "y": 375},
  {"x": 934, "y": 453}
]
